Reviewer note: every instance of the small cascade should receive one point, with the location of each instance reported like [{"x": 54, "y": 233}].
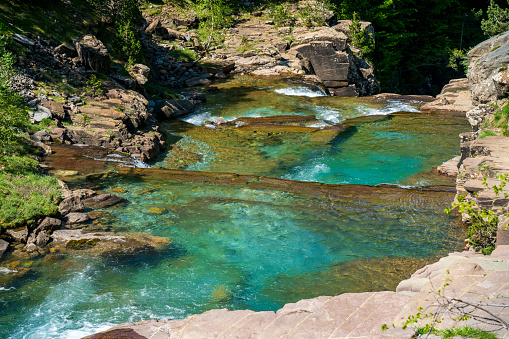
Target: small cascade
[{"x": 301, "y": 91}]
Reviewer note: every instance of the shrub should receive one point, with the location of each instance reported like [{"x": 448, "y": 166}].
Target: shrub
[
  {"x": 13, "y": 113},
  {"x": 24, "y": 198},
  {"x": 482, "y": 230}
]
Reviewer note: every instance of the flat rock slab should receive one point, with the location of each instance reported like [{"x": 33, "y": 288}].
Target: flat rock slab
[
  {"x": 455, "y": 97},
  {"x": 351, "y": 315}
]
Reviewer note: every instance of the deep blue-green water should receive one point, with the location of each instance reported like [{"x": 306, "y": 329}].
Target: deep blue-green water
[{"x": 250, "y": 242}]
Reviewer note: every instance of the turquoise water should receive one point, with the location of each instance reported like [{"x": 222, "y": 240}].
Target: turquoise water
[
  {"x": 251, "y": 242},
  {"x": 234, "y": 247}
]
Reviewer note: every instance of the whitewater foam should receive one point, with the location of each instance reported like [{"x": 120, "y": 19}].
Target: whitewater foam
[
  {"x": 126, "y": 160},
  {"x": 393, "y": 106},
  {"x": 301, "y": 91},
  {"x": 329, "y": 115}
]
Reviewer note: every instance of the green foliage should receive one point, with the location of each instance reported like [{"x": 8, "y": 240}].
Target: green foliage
[
  {"x": 281, "y": 15},
  {"x": 486, "y": 133},
  {"x": 13, "y": 113},
  {"x": 214, "y": 13},
  {"x": 128, "y": 41},
  {"x": 501, "y": 119},
  {"x": 497, "y": 20},
  {"x": 123, "y": 14},
  {"x": 215, "y": 16},
  {"x": 413, "y": 39},
  {"x": 482, "y": 230},
  {"x": 183, "y": 54},
  {"x": 463, "y": 332},
  {"x": 24, "y": 198},
  {"x": 458, "y": 60},
  {"x": 314, "y": 15},
  {"x": 94, "y": 86},
  {"x": 19, "y": 165},
  {"x": 360, "y": 38}
]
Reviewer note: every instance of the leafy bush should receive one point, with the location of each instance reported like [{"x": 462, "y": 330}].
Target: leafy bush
[
  {"x": 19, "y": 165},
  {"x": 497, "y": 20},
  {"x": 360, "y": 38},
  {"x": 24, "y": 198},
  {"x": 215, "y": 16},
  {"x": 281, "y": 15},
  {"x": 13, "y": 113},
  {"x": 458, "y": 60},
  {"x": 94, "y": 86},
  {"x": 482, "y": 230}
]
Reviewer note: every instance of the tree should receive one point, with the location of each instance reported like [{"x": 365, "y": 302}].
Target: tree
[{"x": 497, "y": 20}]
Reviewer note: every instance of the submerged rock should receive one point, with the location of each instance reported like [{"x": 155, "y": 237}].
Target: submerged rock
[
  {"x": 108, "y": 243},
  {"x": 102, "y": 201}
]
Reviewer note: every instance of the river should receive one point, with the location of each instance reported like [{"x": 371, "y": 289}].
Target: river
[{"x": 303, "y": 213}]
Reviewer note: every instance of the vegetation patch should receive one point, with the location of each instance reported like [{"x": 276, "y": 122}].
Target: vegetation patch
[{"x": 24, "y": 198}]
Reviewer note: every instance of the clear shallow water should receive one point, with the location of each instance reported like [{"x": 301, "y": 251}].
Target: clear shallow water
[
  {"x": 380, "y": 145},
  {"x": 240, "y": 246},
  {"x": 245, "y": 242}
]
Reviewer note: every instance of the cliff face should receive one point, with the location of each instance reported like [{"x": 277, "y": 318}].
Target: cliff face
[{"x": 487, "y": 74}]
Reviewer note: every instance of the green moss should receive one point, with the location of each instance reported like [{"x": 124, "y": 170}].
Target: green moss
[
  {"x": 486, "y": 133},
  {"x": 82, "y": 243}
]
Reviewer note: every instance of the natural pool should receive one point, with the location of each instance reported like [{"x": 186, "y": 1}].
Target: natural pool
[{"x": 247, "y": 241}]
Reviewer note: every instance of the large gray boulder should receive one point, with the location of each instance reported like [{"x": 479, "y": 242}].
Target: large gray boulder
[
  {"x": 487, "y": 73},
  {"x": 93, "y": 54}
]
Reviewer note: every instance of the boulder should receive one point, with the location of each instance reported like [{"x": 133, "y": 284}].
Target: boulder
[
  {"x": 48, "y": 225},
  {"x": 23, "y": 39},
  {"x": 66, "y": 49},
  {"x": 41, "y": 113},
  {"x": 56, "y": 109},
  {"x": 3, "y": 247},
  {"x": 217, "y": 66},
  {"x": 141, "y": 73},
  {"x": 93, "y": 54},
  {"x": 344, "y": 27},
  {"x": 102, "y": 201},
  {"x": 41, "y": 136},
  {"x": 77, "y": 218},
  {"x": 198, "y": 82},
  {"x": 328, "y": 64},
  {"x": 19, "y": 234},
  {"x": 487, "y": 60},
  {"x": 71, "y": 204},
  {"x": 338, "y": 39},
  {"x": 42, "y": 239},
  {"x": 153, "y": 25},
  {"x": 173, "y": 109}
]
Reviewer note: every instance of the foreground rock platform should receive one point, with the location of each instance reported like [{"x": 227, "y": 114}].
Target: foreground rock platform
[{"x": 471, "y": 277}]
